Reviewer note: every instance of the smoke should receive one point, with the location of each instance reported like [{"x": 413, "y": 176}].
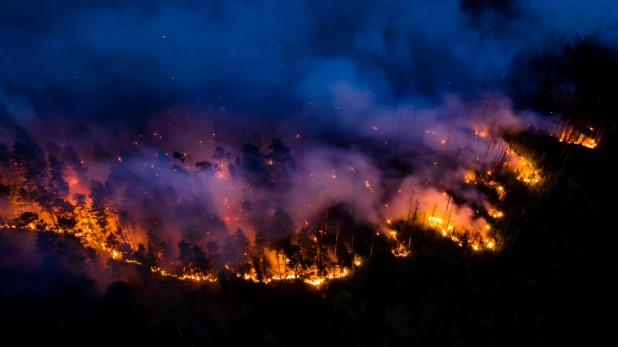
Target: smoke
[
  {"x": 381, "y": 104},
  {"x": 119, "y": 62}
]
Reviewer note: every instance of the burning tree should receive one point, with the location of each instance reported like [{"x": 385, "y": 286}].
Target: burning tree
[{"x": 130, "y": 215}]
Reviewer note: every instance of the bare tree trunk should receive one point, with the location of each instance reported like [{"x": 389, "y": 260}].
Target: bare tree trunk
[
  {"x": 337, "y": 239},
  {"x": 278, "y": 265},
  {"x": 413, "y": 223},
  {"x": 447, "y": 206},
  {"x": 498, "y": 150},
  {"x": 447, "y": 141},
  {"x": 423, "y": 226},
  {"x": 433, "y": 211},
  {"x": 374, "y": 240},
  {"x": 409, "y": 210}
]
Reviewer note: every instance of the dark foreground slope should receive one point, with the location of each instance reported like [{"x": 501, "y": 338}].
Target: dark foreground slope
[{"x": 553, "y": 282}]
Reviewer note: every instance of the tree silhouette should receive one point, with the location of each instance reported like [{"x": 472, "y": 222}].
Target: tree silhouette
[
  {"x": 279, "y": 161},
  {"x": 214, "y": 257},
  {"x": 201, "y": 262},
  {"x": 219, "y": 155},
  {"x": 241, "y": 241},
  {"x": 261, "y": 266},
  {"x": 308, "y": 247},
  {"x": 179, "y": 156},
  {"x": 26, "y": 219},
  {"x": 253, "y": 168},
  {"x": 30, "y": 164},
  {"x": 67, "y": 224},
  {"x": 191, "y": 234},
  {"x": 73, "y": 159},
  {"x": 58, "y": 185},
  {"x": 230, "y": 253},
  {"x": 281, "y": 228},
  {"x": 280, "y": 154},
  {"x": 235, "y": 250},
  {"x": 294, "y": 254},
  {"x": 65, "y": 247},
  {"x": 205, "y": 166},
  {"x": 184, "y": 252},
  {"x": 99, "y": 203}
]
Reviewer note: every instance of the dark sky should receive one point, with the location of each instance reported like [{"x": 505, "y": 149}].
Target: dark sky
[{"x": 101, "y": 58}]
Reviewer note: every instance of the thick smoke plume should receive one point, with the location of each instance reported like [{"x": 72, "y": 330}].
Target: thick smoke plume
[{"x": 170, "y": 122}]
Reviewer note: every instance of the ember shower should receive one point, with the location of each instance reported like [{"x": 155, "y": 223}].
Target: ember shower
[{"x": 139, "y": 128}]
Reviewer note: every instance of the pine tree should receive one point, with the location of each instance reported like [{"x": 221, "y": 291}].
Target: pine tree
[
  {"x": 281, "y": 228},
  {"x": 184, "y": 252},
  {"x": 205, "y": 166},
  {"x": 191, "y": 234},
  {"x": 219, "y": 155},
  {"x": 29, "y": 161},
  {"x": 200, "y": 261},
  {"x": 308, "y": 247},
  {"x": 230, "y": 253},
  {"x": 241, "y": 241},
  {"x": 261, "y": 266},
  {"x": 57, "y": 170}
]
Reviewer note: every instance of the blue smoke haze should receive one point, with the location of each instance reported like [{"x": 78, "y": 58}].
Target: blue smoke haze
[
  {"x": 122, "y": 60},
  {"x": 328, "y": 65}
]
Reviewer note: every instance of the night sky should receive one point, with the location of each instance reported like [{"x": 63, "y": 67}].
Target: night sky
[{"x": 273, "y": 57}]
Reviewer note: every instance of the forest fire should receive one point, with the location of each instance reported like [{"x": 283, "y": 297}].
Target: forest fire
[
  {"x": 465, "y": 238},
  {"x": 495, "y": 213},
  {"x": 569, "y": 134},
  {"x": 313, "y": 279},
  {"x": 327, "y": 246},
  {"x": 486, "y": 180},
  {"x": 525, "y": 169},
  {"x": 198, "y": 214}
]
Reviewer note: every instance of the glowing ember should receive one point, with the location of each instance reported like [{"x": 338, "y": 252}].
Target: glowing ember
[
  {"x": 568, "y": 134},
  {"x": 470, "y": 177},
  {"x": 496, "y": 214},
  {"x": 460, "y": 238}
]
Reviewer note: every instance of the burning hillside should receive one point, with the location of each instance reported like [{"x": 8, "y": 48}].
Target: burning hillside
[
  {"x": 569, "y": 134},
  {"x": 310, "y": 211}
]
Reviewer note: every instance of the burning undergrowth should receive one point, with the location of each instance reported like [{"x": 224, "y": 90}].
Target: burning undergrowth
[{"x": 215, "y": 200}]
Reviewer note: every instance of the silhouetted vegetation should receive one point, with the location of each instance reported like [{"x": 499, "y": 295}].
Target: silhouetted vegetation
[{"x": 553, "y": 282}]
